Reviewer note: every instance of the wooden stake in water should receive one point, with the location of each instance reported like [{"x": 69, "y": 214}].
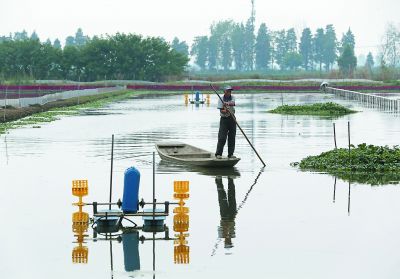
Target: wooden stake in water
[
  {"x": 111, "y": 173},
  {"x": 348, "y": 130},
  {"x": 154, "y": 185},
  {"x": 334, "y": 135}
]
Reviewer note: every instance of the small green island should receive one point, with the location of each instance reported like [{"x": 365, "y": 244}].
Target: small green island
[
  {"x": 318, "y": 109},
  {"x": 369, "y": 164}
]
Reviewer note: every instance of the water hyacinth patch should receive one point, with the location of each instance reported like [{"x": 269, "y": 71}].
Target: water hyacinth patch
[
  {"x": 376, "y": 165},
  {"x": 318, "y": 109}
]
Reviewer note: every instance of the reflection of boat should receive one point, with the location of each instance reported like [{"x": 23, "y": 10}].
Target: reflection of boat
[
  {"x": 190, "y": 155},
  {"x": 171, "y": 167}
]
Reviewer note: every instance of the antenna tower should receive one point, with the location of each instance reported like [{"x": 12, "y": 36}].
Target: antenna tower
[{"x": 253, "y": 13}]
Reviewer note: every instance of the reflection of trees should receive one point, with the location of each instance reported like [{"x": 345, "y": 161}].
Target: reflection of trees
[
  {"x": 371, "y": 178},
  {"x": 228, "y": 210}
]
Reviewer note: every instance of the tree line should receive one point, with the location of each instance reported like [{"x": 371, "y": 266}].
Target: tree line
[
  {"x": 121, "y": 56},
  {"x": 230, "y": 46},
  {"x": 235, "y": 46}
]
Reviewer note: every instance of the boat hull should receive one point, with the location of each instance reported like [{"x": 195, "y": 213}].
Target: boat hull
[{"x": 189, "y": 155}]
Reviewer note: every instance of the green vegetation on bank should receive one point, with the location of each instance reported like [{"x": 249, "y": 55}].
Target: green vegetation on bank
[
  {"x": 121, "y": 56},
  {"x": 318, "y": 109},
  {"x": 230, "y": 49},
  {"x": 376, "y": 165}
]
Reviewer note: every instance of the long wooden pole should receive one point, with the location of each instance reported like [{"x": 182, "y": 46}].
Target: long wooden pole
[{"x": 240, "y": 128}]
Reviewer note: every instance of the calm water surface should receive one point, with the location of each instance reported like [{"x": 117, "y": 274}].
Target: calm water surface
[{"x": 250, "y": 222}]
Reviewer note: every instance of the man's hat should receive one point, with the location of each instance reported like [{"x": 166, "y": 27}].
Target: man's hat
[{"x": 228, "y": 87}]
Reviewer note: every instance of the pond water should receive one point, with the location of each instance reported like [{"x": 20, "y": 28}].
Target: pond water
[{"x": 249, "y": 222}]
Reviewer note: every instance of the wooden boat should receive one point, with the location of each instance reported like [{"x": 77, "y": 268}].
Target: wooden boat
[{"x": 183, "y": 153}]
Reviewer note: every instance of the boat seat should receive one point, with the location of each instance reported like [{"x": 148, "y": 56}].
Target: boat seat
[
  {"x": 171, "y": 145},
  {"x": 193, "y": 155}
]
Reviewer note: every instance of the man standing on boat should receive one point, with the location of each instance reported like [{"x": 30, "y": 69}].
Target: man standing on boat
[{"x": 227, "y": 125}]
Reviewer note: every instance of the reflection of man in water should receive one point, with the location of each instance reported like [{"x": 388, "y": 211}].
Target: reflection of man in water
[{"x": 227, "y": 208}]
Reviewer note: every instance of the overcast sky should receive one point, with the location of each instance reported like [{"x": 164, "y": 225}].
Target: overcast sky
[{"x": 187, "y": 19}]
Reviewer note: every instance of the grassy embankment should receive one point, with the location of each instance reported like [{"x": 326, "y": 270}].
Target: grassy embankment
[
  {"x": 360, "y": 73},
  {"x": 369, "y": 164},
  {"x": 34, "y": 115},
  {"x": 218, "y": 80},
  {"x": 318, "y": 109}
]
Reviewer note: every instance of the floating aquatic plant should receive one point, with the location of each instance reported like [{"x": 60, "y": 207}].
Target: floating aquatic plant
[
  {"x": 319, "y": 109},
  {"x": 369, "y": 164}
]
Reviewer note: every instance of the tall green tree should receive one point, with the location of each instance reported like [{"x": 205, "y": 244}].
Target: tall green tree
[
  {"x": 249, "y": 42},
  {"x": 220, "y": 37},
  {"x": 330, "y": 49},
  {"x": 57, "y": 44},
  {"x": 21, "y": 36},
  {"x": 369, "y": 63},
  {"x": 48, "y": 66},
  {"x": 180, "y": 46},
  {"x": 291, "y": 40},
  {"x": 70, "y": 41},
  {"x": 238, "y": 46},
  {"x": 347, "y": 39},
  {"x": 292, "y": 60},
  {"x": 99, "y": 57},
  {"x": 347, "y": 61},
  {"x": 305, "y": 48},
  {"x": 34, "y": 36},
  {"x": 319, "y": 47},
  {"x": 213, "y": 51},
  {"x": 263, "y": 48},
  {"x": 200, "y": 51},
  {"x": 80, "y": 38},
  {"x": 226, "y": 53},
  {"x": 273, "y": 36},
  {"x": 6, "y": 38},
  {"x": 129, "y": 56},
  {"x": 281, "y": 48},
  {"x": 160, "y": 60},
  {"x": 71, "y": 63}
]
